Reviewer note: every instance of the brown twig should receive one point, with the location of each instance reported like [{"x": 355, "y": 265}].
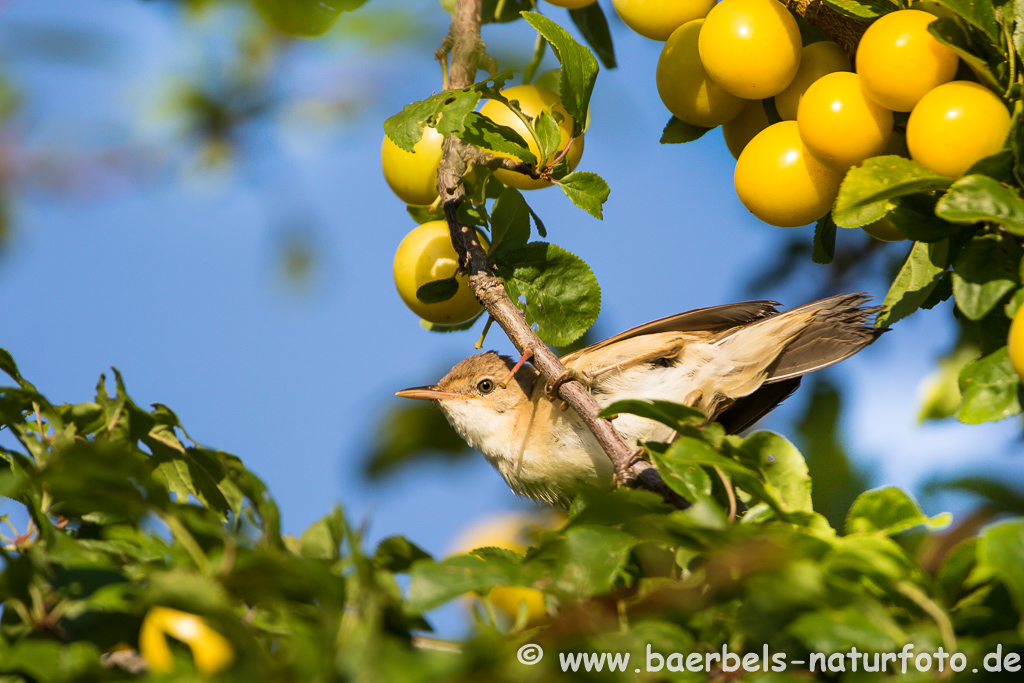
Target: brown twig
[
  {"x": 466, "y": 51},
  {"x": 846, "y": 32}
]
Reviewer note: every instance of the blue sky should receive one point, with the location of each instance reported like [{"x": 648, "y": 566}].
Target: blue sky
[{"x": 171, "y": 272}]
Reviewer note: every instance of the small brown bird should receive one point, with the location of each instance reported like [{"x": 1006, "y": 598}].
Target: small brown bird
[{"x": 735, "y": 363}]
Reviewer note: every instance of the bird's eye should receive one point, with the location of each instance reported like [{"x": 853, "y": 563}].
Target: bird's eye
[{"x": 485, "y": 386}]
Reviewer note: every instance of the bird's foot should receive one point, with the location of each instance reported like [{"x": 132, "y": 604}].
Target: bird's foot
[
  {"x": 569, "y": 375},
  {"x": 693, "y": 398},
  {"x": 639, "y": 455}
]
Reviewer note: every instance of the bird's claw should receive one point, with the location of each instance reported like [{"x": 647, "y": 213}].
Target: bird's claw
[
  {"x": 637, "y": 456},
  {"x": 568, "y": 375}
]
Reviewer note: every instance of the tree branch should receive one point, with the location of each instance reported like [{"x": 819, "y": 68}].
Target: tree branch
[
  {"x": 846, "y": 32},
  {"x": 466, "y": 48}
]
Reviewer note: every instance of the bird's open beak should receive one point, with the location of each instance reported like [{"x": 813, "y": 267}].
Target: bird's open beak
[{"x": 428, "y": 394}]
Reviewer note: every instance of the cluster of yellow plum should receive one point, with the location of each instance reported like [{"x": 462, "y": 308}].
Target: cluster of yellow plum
[
  {"x": 426, "y": 254},
  {"x": 717, "y": 70}
]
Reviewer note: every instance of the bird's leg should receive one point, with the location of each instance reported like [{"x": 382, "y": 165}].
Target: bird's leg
[{"x": 515, "y": 368}]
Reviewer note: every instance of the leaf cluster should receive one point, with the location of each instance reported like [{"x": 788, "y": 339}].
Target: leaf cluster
[
  {"x": 554, "y": 288},
  {"x": 127, "y": 513}
]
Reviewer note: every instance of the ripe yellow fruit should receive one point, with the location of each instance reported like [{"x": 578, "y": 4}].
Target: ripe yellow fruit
[
  {"x": 509, "y": 531},
  {"x": 884, "y": 230},
  {"x": 816, "y": 60},
  {"x": 840, "y": 124},
  {"x": 426, "y": 254},
  {"x": 684, "y": 86},
  {"x": 413, "y": 175},
  {"x": 657, "y": 19},
  {"x": 780, "y": 182},
  {"x": 742, "y": 129},
  {"x": 532, "y": 100},
  {"x": 571, "y": 4},
  {"x": 899, "y": 61},
  {"x": 955, "y": 125},
  {"x": 211, "y": 651},
  {"x": 1015, "y": 343},
  {"x": 750, "y": 47}
]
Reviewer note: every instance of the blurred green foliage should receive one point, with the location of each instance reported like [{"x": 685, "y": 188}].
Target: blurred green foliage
[{"x": 127, "y": 513}]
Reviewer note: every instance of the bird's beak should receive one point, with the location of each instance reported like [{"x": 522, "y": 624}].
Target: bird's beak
[{"x": 428, "y": 394}]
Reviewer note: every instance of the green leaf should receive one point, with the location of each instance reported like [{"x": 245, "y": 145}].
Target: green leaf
[
  {"x": 949, "y": 33},
  {"x": 678, "y": 131},
  {"x": 434, "y": 583},
  {"x": 922, "y": 270},
  {"x": 981, "y": 15},
  {"x": 984, "y": 271},
  {"x": 587, "y": 190},
  {"x": 322, "y": 540},
  {"x": 686, "y": 452},
  {"x": 449, "y": 111},
  {"x": 674, "y": 415},
  {"x": 561, "y": 295},
  {"x": 424, "y": 214},
  {"x": 471, "y": 215},
  {"x": 555, "y": 289},
  {"x": 397, "y": 553},
  {"x": 888, "y": 510},
  {"x": 990, "y": 389},
  {"x": 976, "y": 198},
  {"x": 50, "y": 661},
  {"x": 689, "y": 480},
  {"x": 484, "y": 133},
  {"x": 832, "y": 631},
  {"x": 436, "y": 291},
  {"x": 593, "y": 26},
  {"x": 8, "y": 365},
  {"x": 1001, "y": 553},
  {"x": 510, "y": 222},
  {"x": 854, "y": 9},
  {"x": 591, "y": 559},
  {"x": 783, "y": 467},
  {"x": 998, "y": 166},
  {"x": 548, "y": 133},
  {"x": 867, "y": 189},
  {"x": 824, "y": 249},
  {"x": 914, "y": 216},
  {"x": 579, "y": 68}
]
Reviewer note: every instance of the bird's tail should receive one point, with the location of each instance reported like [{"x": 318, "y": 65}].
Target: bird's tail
[
  {"x": 839, "y": 327},
  {"x": 792, "y": 343}
]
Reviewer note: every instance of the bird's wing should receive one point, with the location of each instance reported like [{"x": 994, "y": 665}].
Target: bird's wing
[{"x": 713, "y": 319}]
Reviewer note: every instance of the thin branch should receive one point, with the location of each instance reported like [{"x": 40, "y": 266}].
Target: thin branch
[
  {"x": 843, "y": 30},
  {"x": 467, "y": 49}
]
